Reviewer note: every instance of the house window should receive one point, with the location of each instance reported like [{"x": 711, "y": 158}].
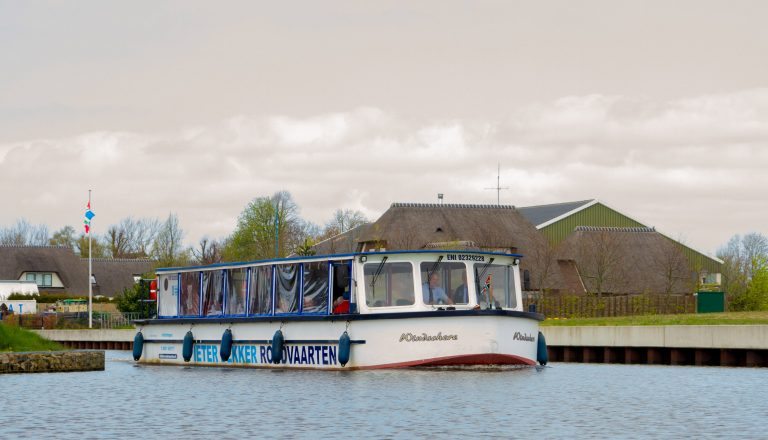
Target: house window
[{"x": 40, "y": 278}]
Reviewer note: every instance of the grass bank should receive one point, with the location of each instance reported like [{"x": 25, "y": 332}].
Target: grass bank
[
  {"x": 730, "y": 318},
  {"x": 18, "y": 339}
]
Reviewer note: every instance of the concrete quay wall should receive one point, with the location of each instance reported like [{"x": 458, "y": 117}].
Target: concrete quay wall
[
  {"x": 716, "y": 345},
  {"x": 678, "y": 336},
  {"x": 103, "y": 339},
  {"x": 51, "y": 361}
]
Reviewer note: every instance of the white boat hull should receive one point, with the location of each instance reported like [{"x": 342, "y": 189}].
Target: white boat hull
[{"x": 398, "y": 340}]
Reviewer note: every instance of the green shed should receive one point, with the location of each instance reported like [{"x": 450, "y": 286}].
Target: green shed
[{"x": 710, "y": 302}]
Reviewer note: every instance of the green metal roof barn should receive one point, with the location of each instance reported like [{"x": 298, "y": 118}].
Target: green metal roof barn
[{"x": 558, "y": 221}]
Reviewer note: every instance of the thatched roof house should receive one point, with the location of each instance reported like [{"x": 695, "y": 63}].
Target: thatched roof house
[
  {"x": 113, "y": 275},
  {"x": 57, "y": 269},
  {"x": 344, "y": 243},
  {"x": 448, "y": 226},
  {"x": 589, "y": 259}
]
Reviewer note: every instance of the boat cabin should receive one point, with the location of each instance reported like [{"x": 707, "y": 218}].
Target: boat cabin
[{"x": 365, "y": 283}]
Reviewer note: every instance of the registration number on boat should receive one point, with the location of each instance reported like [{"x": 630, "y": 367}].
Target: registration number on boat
[{"x": 465, "y": 257}]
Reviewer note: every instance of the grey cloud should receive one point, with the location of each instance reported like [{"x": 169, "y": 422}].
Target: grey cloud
[{"x": 667, "y": 161}]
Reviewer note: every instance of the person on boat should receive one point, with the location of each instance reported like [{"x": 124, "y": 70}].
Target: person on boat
[
  {"x": 433, "y": 292},
  {"x": 341, "y": 305},
  {"x": 461, "y": 294}
]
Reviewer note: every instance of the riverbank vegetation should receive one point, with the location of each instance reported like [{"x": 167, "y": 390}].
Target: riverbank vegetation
[
  {"x": 745, "y": 271},
  {"x": 729, "y": 318},
  {"x": 18, "y": 339}
]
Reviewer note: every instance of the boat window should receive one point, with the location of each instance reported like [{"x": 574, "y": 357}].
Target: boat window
[
  {"x": 494, "y": 286},
  {"x": 342, "y": 286},
  {"x": 213, "y": 292},
  {"x": 168, "y": 295},
  {"x": 287, "y": 293},
  {"x": 315, "y": 287},
  {"x": 189, "y": 304},
  {"x": 449, "y": 283},
  {"x": 236, "y": 289},
  {"x": 388, "y": 284},
  {"x": 261, "y": 291}
]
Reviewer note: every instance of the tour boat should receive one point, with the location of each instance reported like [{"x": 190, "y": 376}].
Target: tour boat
[{"x": 367, "y": 310}]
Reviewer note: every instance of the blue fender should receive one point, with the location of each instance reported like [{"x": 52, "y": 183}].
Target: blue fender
[
  {"x": 186, "y": 349},
  {"x": 277, "y": 347},
  {"x": 541, "y": 350},
  {"x": 345, "y": 349},
  {"x": 226, "y": 345},
  {"x": 138, "y": 346}
]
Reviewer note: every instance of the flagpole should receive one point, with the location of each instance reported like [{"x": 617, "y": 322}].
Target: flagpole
[{"x": 90, "y": 273}]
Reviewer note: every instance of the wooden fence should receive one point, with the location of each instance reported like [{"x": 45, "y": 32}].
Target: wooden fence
[
  {"x": 79, "y": 320},
  {"x": 572, "y": 306}
]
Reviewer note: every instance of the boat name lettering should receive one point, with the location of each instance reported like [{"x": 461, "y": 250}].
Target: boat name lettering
[
  {"x": 465, "y": 257},
  {"x": 262, "y": 354},
  {"x": 523, "y": 337},
  {"x": 410, "y": 337},
  {"x": 167, "y": 355}
]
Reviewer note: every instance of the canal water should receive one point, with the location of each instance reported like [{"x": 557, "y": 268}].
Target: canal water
[{"x": 560, "y": 401}]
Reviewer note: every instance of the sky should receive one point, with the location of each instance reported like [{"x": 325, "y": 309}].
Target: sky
[{"x": 658, "y": 109}]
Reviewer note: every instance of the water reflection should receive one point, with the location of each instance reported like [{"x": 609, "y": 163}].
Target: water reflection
[{"x": 563, "y": 401}]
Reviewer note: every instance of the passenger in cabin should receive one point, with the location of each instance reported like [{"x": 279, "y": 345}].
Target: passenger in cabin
[
  {"x": 433, "y": 292},
  {"x": 461, "y": 294},
  {"x": 341, "y": 305}
]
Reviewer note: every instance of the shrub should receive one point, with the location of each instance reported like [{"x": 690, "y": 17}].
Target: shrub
[{"x": 132, "y": 300}]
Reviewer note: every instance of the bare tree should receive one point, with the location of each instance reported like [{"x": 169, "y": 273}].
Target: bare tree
[
  {"x": 734, "y": 280},
  {"x": 132, "y": 238},
  {"x": 301, "y": 236},
  {"x": 741, "y": 259},
  {"x": 24, "y": 233},
  {"x": 142, "y": 235},
  {"x": 118, "y": 241},
  {"x": 674, "y": 267},
  {"x": 755, "y": 246},
  {"x": 208, "y": 251},
  {"x": 167, "y": 248},
  {"x": 540, "y": 259},
  {"x": 342, "y": 221},
  {"x": 599, "y": 260}
]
